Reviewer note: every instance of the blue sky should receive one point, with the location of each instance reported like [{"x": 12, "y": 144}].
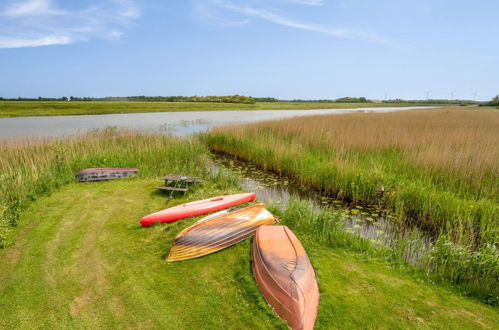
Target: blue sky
[{"x": 282, "y": 48}]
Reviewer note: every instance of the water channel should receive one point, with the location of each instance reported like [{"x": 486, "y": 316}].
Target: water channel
[{"x": 371, "y": 222}]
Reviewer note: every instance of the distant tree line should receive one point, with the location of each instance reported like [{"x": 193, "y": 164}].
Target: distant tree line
[
  {"x": 247, "y": 99},
  {"x": 266, "y": 99},
  {"x": 340, "y": 100},
  {"x": 214, "y": 99},
  {"x": 210, "y": 98},
  {"x": 494, "y": 102}
]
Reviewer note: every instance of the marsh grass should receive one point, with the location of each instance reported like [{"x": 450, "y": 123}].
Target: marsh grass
[
  {"x": 475, "y": 271},
  {"x": 437, "y": 169},
  {"x": 30, "y": 168}
]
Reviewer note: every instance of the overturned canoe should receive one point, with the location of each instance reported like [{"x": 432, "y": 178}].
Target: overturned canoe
[
  {"x": 217, "y": 233},
  {"x": 285, "y": 276},
  {"x": 192, "y": 209},
  {"x": 100, "y": 174}
]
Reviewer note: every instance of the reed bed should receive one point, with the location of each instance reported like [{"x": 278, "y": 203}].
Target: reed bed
[
  {"x": 438, "y": 169},
  {"x": 32, "y": 167},
  {"x": 476, "y": 271}
]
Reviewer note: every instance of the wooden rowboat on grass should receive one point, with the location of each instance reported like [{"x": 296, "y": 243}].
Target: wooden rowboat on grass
[
  {"x": 285, "y": 276},
  {"x": 219, "y": 232},
  {"x": 101, "y": 174}
]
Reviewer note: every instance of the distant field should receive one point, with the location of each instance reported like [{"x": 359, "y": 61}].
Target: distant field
[{"x": 58, "y": 108}]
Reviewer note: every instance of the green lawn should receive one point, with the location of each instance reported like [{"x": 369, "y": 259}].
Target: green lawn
[
  {"x": 55, "y": 108},
  {"x": 81, "y": 260}
]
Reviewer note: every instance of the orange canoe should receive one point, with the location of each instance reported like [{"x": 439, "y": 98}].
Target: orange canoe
[
  {"x": 217, "y": 233},
  {"x": 285, "y": 276}
]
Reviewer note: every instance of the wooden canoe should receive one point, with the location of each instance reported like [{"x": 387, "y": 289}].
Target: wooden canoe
[
  {"x": 217, "y": 233},
  {"x": 101, "y": 174},
  {"x": 192, "y": 209},
  {"x": 285, "y": 276}
]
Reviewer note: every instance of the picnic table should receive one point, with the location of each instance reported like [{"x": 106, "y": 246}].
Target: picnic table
[{"x": 178, "y": 182}]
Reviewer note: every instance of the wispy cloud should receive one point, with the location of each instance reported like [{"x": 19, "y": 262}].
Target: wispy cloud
[
  {"x": 32, "y": 8},
  {"x": 34, "y": 23},
  {"x": 307, "y": 2},
  {"x": 211, "y": 14},
  {"x": 260, "y": 10}
]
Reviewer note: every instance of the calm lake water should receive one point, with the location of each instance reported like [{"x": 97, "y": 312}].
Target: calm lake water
[{"x": 179, "y": 123}]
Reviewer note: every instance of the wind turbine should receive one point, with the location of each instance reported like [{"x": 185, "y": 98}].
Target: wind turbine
[
  {"x": 386, "y": 96},
  {"x": 475, "y": 93},
  {"x": 452, "y": 94},
  {"x": 428, "y": 94}
]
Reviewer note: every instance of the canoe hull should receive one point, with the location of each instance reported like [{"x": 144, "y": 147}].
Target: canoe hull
[
  {"x": 195, "y": 208},
  {"x": 285, "y": 276},
  {"x": 220, "y": 232},
  {"x": 102, "y": 174}
]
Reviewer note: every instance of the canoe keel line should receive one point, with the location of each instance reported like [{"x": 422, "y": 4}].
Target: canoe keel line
[
  {"x": 285, "y": 276},
  {"x": 217, "y": 233}
]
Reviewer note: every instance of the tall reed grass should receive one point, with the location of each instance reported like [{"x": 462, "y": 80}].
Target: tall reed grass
[
  {"x": 439, "y": 168},
  {"x": 476, "y": 272},
  {"x": 31, "y": 167}
]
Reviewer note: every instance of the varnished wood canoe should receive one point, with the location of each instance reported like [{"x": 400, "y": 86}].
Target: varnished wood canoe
[
  {"x": 101, "y": 174},
  {"x": 285, "y": 276},
  {"x": 217, "y": 233}
]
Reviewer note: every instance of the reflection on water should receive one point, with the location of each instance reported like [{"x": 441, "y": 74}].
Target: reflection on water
[
  {"x": 179, "y": 123},
  {"x": 369, "y": 221}
]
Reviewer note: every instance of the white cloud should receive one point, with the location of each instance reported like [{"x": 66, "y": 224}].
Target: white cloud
[
  {"x": 34, "y": 23},
  {"x": 43, "y": 41},
  {"x": 265, "y": 13}
]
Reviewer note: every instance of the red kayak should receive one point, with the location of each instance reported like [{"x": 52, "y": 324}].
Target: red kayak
[{"x": 193, "y": 209}]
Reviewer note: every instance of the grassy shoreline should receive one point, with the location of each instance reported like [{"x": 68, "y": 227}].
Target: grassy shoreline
[
  {"x": 77, "y": 258},
  {"x": 77, "y": 264},
  {"x": 60, "y": 108}
]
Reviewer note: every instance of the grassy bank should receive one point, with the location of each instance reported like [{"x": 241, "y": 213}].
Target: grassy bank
[
  {"x": 438, "y": 169},
  {"x": 77, "y": 258},
  {"x": 56, "y": 108},
  {"x": 76, "y": 263},
  {"x": 32, "y": 168}
]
